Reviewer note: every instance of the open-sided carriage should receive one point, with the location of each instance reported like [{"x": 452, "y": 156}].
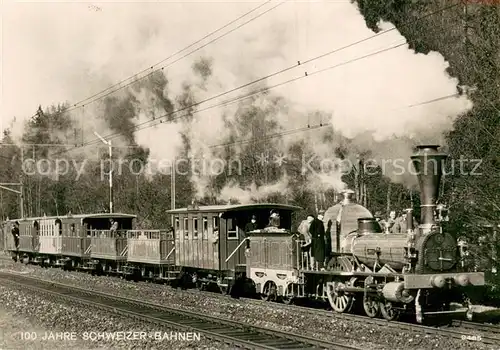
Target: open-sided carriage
[{"x": 63, "y": 241}]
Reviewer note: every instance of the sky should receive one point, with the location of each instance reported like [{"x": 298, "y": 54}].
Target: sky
[
  {"x": 54, "y": 52},
  {"x": 66, "y": 51}
]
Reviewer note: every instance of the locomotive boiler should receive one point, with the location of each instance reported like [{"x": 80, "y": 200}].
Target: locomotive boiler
[{"x": 422, "y": 269}]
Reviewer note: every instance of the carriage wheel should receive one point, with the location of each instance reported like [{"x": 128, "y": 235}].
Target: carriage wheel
[
  {"x": 388, "y": 311},
  {"x": 339, "y": 300},
  {"x": 270, "y": 291},
  {"x": 371, "y": 306}
]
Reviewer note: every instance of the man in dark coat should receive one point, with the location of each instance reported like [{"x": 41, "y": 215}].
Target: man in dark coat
[
  {"x": 249, "y": 227},
  {"x": 317, "y": 231}
]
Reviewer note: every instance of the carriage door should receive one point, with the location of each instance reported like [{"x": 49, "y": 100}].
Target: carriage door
[{"x": 231, "y": 237}]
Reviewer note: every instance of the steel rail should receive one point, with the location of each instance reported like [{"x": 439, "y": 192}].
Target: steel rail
[
  {"x": 465, "y": 327},
  {"x": 232, "y": 332}
]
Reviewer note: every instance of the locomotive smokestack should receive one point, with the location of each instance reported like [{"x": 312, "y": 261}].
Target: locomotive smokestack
[
  {"x": 428, "y": 163},
  {"x": 409, "y": 219},
  {"x": 347, "y": 197}
]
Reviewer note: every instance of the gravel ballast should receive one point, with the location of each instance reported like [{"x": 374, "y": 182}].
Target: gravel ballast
[
  {"x": 324, "y": 327},
  {"x": 37, "y": 322}
]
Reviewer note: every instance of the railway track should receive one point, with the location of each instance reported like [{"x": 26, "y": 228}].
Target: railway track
[
  {"x": 234, "y": 333},
  {"x": 467, "y": 331}
]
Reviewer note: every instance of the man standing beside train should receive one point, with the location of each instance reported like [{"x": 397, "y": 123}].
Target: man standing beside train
[{"x": 15, "y": 234}]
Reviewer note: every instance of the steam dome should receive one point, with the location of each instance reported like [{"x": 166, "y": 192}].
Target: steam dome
[{"x": 347, "y": 212}]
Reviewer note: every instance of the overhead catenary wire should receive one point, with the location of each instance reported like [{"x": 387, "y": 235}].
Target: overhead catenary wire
[
  {"x": 280, "y": 72},
  {"x": 298, "y": 130},
  {"x": 322, "y": 125},
  {"x": 106, "y": 92},
  {"x": 159, "y": 120}
]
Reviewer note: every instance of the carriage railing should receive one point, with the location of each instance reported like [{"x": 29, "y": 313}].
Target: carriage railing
[
  {"x": 150, "y": 234},
  {"x": 303, "y": 255},
  {"x": 108, "y": 233},
  {"x": 133, "y": 234}
]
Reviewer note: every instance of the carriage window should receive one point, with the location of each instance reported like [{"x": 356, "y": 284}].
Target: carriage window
[
  {"x": 205, "y": 227},
  {"x": 177, "y": 224},
  {"x": 72, "y": 230},
  {"x": 186, "y": 228},
  {"x": 195, "y": 228},
  {"x": 231, "y": 229},
  {"x": 215, "y": 223}
]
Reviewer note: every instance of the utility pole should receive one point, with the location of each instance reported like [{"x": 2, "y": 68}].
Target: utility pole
[
  {"x": 110, "y": 170},
  {"x": 20, "y": 193},
  {"x": 172, "y": 185},
  {"x": 172, "y": 188}
]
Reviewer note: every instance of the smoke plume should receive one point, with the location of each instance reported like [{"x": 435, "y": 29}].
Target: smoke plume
[{"x": 375, "y": 102}]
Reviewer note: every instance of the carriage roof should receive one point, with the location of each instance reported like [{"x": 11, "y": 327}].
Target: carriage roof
[
  {"x": 233, "y": 207},
  {"x": 81, "y": 216}
]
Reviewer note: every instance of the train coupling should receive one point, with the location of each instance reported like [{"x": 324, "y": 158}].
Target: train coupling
[
  {"x": 129, "y": 270},
  {"x": 467, "y": 312},
  {"x": 62, "y": 262}
]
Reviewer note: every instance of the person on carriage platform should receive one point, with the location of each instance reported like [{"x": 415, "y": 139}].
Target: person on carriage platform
[
  {"x": 15, "y": 234},
  {"x": 317, "y": 231},
  {"x": 249, "y": 227},
  {"x": 327, "y": 237}
]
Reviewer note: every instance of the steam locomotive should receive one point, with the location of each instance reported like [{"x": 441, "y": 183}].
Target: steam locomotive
[{"x": 422, "y": 271}]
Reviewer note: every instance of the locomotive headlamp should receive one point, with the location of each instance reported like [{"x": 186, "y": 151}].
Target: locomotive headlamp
[
  {"x": 462, "y": 280},
  {"x": 438, "y": 281}
]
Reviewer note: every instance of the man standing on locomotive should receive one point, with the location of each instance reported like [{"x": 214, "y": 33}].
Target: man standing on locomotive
[
  {"x": 114, "y": 227},
  {"x": 317, "y": 231},
  {"x": 304, "y": 228},
  {"x": 327, "y": 239}
]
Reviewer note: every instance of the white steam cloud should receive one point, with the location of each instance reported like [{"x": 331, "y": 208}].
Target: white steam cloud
[{"x": 366, "y": 100}]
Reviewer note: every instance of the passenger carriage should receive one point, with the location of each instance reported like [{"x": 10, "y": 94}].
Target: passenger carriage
[
  {"x": 63, "y": 241},
  {"x": 210, "y": 240}
]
